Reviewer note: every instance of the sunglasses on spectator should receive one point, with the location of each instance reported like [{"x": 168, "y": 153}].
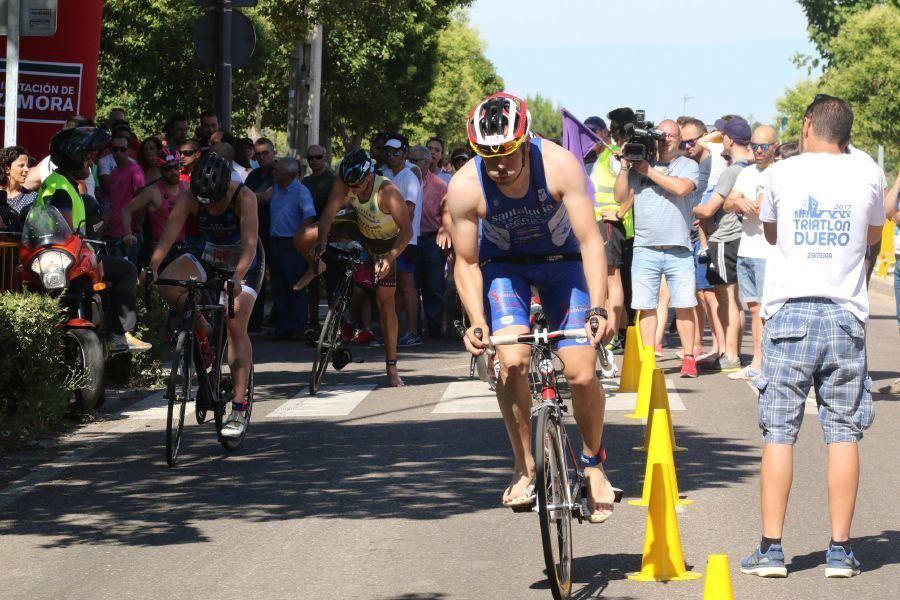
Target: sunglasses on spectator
[
  {"x": 393, "y": 151},
  {"x": 119, "y": 148},
  {"x": 763, "y": 147},
  {"x": 315, "y": 156},
  {"x": 685, "y": 144},
  {"x": 189, "y": 152}
]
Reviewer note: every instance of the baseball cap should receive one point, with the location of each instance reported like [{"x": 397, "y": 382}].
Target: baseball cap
[
  {"x": 397, "y": 140},
  {"x": 595, "y": 123},
  {"x": 737, "y": 129}
]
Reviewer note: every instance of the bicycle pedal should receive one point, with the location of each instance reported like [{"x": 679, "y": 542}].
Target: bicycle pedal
[{"x": 524, "y": 509}]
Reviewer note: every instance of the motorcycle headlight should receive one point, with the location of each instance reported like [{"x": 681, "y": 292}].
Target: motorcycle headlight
[{"x": 51, "y": 266}]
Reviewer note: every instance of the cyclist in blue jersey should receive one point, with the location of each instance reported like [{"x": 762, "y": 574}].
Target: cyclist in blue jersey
[{"x": 537, "y": 229}]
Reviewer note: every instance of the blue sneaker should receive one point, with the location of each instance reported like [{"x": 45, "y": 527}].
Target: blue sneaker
[
  {"x": 770, "y": 564},
  {"x": 409, "y": 339},
  {"x": 838, "y": 563}
]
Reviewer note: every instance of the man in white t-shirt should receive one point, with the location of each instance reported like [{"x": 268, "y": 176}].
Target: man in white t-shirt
[
  {"x": 753, "y": 249},
  {"x": 822, "y": 208},
  {"x": 396, "y": 148}
]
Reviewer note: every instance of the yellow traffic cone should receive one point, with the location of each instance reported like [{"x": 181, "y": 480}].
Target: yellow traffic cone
[
  {"x": 718, "y": 578},
  {"x": 659, "y": 398},
  {"x": 645, "y": 385},
  {"x": 662, "y": 560},
  {"x": 660, "y": 453},
  {"x": 631, "y": 361}
]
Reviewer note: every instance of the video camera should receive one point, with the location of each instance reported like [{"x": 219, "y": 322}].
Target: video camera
[{"x": 642, "y": 138}]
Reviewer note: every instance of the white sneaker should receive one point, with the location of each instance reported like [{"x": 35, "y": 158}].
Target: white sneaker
[{"x": 235, "y": 424}]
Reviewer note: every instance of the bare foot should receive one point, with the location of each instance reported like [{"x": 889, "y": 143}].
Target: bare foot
[
  {"x": 601, "y": 497},
  {"x": 394, "y": 378},
  {"x": 517, "y": 488},
  {"x": 310, "y": 274}
]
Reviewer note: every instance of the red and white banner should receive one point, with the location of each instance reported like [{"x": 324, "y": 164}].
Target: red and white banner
[{"x": 57, "y": 74}]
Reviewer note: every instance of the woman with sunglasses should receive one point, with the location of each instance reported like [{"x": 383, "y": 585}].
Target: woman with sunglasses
[{"x": 538, "y": 229}]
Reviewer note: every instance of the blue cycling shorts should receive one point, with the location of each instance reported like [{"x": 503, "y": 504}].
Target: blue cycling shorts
[{"x": 560, "y": 285}]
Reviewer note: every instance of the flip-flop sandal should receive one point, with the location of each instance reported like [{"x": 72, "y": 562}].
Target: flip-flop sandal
[
  {"x": 602, "y": 517},
  {"x": 525, "y": 500}
]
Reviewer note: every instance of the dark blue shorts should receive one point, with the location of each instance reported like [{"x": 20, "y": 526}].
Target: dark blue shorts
[
  {"x": 407, "y": 260},
  {"x": 560, "y": 285}
]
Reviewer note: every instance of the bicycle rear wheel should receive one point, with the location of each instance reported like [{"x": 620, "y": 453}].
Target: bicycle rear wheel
[
  {"x": 224, "y": 393},
  {"x": 555, "y": 514},
  {"x": 328, "y": 341},
  {"x": 178, "y": 392}
]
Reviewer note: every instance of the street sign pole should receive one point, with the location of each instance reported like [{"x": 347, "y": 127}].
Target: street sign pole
[
  {"x": 11, "y": 94},
  {"x": 223, "y": 65}
]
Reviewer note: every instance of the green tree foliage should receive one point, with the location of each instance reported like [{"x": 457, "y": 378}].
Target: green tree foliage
[
  {"x": 149, "y": 67},
  {"x": 464, "y": 76},
  {"x": 380, "y": 62},
  {"x": 791, "y": 107},
  {"x": 863, "y": 71},
  {"x": 545, "y": 116},
  {"x": 866, "y": 73},
  {"x": 827, "y": 17}
]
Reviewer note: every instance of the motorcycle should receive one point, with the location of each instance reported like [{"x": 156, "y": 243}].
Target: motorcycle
[{"x": 55, "y": 261}]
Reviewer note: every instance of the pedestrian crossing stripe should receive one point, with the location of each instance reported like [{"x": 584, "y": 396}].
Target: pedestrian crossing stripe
[
  {"x": 154, "y": 406},
  {"x": 475, "y": 396},
  {"x": 337, "y": 401}
]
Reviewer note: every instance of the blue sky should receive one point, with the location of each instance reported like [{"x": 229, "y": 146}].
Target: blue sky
[{"x": 593, "y": 56}]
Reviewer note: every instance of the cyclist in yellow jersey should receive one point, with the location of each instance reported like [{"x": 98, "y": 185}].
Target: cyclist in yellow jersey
[{"x": 376, "y": 216}]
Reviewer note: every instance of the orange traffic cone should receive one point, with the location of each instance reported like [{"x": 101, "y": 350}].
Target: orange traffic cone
[
  {"x": 631, "y": 361},
  {"x": 660, "y": 453},
  {"x": 645, "y": 385},
  {"x": 659, "y": 398},
  {"x": 718, "y": 578},
  {"x": 662, "y": 560}
]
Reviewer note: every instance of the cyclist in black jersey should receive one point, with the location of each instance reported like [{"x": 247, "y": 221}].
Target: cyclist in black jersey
[{"x": 225, "y": 213}]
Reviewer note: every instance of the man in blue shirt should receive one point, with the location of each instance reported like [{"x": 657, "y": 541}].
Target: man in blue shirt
[{"x": 291, "y": 209}]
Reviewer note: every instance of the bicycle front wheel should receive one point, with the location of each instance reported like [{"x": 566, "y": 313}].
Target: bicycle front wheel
[
  {"x": 554, "y": 511},
  {"x": 178, "y": 392},
  {"x": 328, "y": 341}
]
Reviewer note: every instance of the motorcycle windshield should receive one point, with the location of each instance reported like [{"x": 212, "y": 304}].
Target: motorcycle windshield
[{"x": 44, "y": 226}]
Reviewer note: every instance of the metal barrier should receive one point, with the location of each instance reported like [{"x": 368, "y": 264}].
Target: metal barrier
[{"x": 9, "y": 263}]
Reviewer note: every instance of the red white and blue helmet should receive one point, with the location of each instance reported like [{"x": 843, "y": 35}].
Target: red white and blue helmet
[{"x": 499, "y": 125}]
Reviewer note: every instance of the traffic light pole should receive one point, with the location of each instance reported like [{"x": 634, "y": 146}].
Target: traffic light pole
[{"x": 223, "y": 64}]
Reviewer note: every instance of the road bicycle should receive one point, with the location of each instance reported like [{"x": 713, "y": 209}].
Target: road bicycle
[
  {"x": 560, "y": 484},
  {"x": 200, "y": 369},
  {"x": 330, "y": 347}
]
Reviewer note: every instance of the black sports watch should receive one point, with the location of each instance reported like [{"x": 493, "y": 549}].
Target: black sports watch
[{"x": 597, "y": 311}]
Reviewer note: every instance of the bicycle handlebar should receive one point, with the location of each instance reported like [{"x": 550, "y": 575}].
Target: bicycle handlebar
[
  {"x": 215, "y": 285},
  {"x": 540, "y": 337}
]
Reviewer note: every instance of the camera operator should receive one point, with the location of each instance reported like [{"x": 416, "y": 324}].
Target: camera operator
[{"x": 660, "y": 191}]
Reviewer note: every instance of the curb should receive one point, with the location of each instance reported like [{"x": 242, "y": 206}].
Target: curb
[{"x": 883, "y": 286}]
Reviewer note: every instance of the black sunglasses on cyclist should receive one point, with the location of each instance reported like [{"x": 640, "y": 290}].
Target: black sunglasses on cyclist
[
  {"x": 189, "y": 152},
  {"x": 763, "y": 147}
]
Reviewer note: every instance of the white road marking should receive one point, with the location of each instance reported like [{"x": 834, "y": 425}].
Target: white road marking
[
  {"x": 329, "y": 402},
  {"x": 474, "y": 396},
  {"x": 153, "y": 406}
]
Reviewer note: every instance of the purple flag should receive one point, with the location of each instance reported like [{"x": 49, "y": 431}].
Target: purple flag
[{"x": 579, "y": 140}]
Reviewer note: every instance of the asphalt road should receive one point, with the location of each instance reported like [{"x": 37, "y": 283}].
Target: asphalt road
[{"x": 378, "y": 493}]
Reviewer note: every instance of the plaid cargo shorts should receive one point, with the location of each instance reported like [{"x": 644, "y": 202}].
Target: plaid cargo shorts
[{"x": 813, "y": 342}]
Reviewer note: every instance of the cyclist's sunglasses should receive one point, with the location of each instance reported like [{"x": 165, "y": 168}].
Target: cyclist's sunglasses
[
  {"x": 498, "y": 151},
  {"x": 189, "y": 152},
  {"x": 763, "y": 147}
]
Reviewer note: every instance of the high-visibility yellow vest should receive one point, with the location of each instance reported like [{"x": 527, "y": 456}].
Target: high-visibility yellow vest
[
  {"x": 604, "y": 181},
  {"x": 53, "y": 183}
]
